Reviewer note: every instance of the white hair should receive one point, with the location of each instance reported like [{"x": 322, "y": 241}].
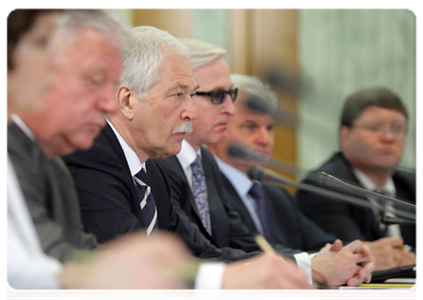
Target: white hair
[
  {"x": 201, "y": 52},
  {"x": 254, "y": 87},
  {"x": 142, "y": 61},
  {"x": 109, "y": 22}
]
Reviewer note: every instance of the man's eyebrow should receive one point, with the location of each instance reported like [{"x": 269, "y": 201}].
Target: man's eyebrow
[{"x": 182, "y": 86}]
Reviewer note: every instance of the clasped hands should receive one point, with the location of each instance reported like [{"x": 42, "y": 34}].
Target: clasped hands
[{"x": 337, "y": 265}]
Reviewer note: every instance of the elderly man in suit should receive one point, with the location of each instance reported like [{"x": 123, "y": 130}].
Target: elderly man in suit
[
  {"x": 372, "y": 133},
  {"x": 32, "y": 42},
  {"x": 86, "y": 63},
  {"x": 121, "y": 190},
  {"x": 197, "y": 184}
]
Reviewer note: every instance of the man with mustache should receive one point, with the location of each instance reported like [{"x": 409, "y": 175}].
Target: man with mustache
[
  {"x": 372, "y": 133},
  {"x": 197, "y": 184},
  {"x": 122, "y": 190}
]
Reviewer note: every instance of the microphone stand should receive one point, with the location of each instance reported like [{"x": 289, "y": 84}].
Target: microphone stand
[
  {"x": 324, "y": 178},
  {"x": 267, "y": 176}
]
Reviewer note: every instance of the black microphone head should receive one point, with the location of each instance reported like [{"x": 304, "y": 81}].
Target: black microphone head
[
  {"x": 256, "y": 173},
  {"x": 259, "y": 106},
  {"x": 322, "y": 178},
  {"x": 238, "y": 151}
]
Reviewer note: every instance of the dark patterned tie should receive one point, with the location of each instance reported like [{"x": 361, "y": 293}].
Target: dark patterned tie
[
  {"x": 257, "y": 193},
  {"x": 147, "y": 204},
  {"x": 199, "y": 191},
  {"x": 388, "y": 212}
]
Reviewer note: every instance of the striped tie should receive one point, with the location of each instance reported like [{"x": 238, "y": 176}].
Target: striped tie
[{"x": 147, "y": 204}]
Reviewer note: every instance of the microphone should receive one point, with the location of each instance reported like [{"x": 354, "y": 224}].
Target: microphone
[
  {"x": 266, "y": 176},
  {"x": 324, "y": 178},
  {"x": 394, "y": 220},
  {"x": 285, "y": 81},
  {"x": 279, "y": 115},
  {"x": 239, "y": 151}
]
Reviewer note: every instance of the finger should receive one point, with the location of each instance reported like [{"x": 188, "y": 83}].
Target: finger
[
  {"x": 395, "y": 241},
  {"x": 354, "y": 245},
  {"x": 360, "y": 259},
  {"x": 363, "y": 274},
  {"x": 336, "y": 246},
  {"x": 326, "y": 247}
]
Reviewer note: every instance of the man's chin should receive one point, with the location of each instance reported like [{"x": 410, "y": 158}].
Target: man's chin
[
  {"x": 167, "y": 152},
  {"x": 84, "y": 143}
]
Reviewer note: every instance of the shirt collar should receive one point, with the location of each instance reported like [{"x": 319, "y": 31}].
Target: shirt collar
[
  {"x": 22, "y": 126},
  {"x": 239, "y": 179},
  {"x": 134, "y": 163},
  {"x": 187, "y": 155},
  {"x": 368, "y": 184}
]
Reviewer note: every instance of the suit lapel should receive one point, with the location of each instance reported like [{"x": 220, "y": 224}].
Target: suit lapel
[
  {"x": 114, "y": 144},
  {"x": 220, "y": 225},
  {"x": 238, "y": 204}
]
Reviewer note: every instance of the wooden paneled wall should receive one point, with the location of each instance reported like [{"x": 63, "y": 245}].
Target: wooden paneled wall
[
  {"x": 262, "y": 39},
  {"x": 259, "y": 39}
]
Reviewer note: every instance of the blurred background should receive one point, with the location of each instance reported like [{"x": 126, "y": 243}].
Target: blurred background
[{"x": 313, "y": 58}]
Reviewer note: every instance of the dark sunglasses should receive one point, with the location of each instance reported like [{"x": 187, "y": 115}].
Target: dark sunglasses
[{"x": 218, "y": 96}]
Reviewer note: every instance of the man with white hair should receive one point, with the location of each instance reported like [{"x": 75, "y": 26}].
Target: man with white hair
[
  {"x": 197, "y": 184},
  {"x": 87, "y": 48},
  {"x": 122, "y": 190}
]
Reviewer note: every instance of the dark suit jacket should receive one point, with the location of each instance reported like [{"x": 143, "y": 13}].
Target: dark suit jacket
[
  {"x": 290, "y": 227},
  {"x": 50, "y": 196},
  {"x": 228, "y": 229},
  {"x": 109, "y": 203},
  {"x": 347, "y": 221}
]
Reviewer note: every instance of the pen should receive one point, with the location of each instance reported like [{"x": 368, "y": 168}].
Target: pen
[{"x": 263, "y": 244}]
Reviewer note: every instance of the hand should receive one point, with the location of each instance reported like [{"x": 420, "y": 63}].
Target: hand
[
  {"x": 134, "y": 261},
  {"x": 389, "y": 253},
  {"x": 265, "y": 271},
  {"x": 335, "y": 265}
]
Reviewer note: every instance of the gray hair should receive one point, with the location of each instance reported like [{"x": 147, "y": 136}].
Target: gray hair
[
  {"x": 201, "y": 52},
  {"x": 142, "y": 61},
  {"x": 255, "y": 88},
  {"x": 109, "y": 22}
]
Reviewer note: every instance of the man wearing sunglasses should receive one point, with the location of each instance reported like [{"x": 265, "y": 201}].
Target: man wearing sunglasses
[
  {"x": 195, "y": 178},
  {"x": 193, "y": 171}
]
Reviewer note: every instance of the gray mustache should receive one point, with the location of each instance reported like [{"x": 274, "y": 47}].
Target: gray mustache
[{"x": 186, "y": 127}]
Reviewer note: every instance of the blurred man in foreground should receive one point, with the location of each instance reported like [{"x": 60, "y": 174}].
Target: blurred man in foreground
[{"x": 117, "y": 265}]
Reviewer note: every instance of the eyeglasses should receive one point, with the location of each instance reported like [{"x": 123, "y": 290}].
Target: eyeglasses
[
  {"x": 218, "y": 96},
  {"x": 395, "y": 130}
]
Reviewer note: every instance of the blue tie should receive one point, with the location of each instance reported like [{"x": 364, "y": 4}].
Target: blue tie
[
  {"x": 147, "y": 204},
  {"x": 199, "y": 191},
  {"x": 257, "y": 193}
]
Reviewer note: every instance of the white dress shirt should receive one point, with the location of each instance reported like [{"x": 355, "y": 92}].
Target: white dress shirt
[
  {"x": 389, "y": 189},
  {"x": 28, "y": 267},
  {"x": 210, "y": 275},
  {"x": 242, "y": 185},
  {"x": 186, "y": 157}
]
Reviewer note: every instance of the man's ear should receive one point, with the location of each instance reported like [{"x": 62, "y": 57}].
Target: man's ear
[
  {"x": 125, "y": 101},
  {"x": 344, "y": 133}
]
